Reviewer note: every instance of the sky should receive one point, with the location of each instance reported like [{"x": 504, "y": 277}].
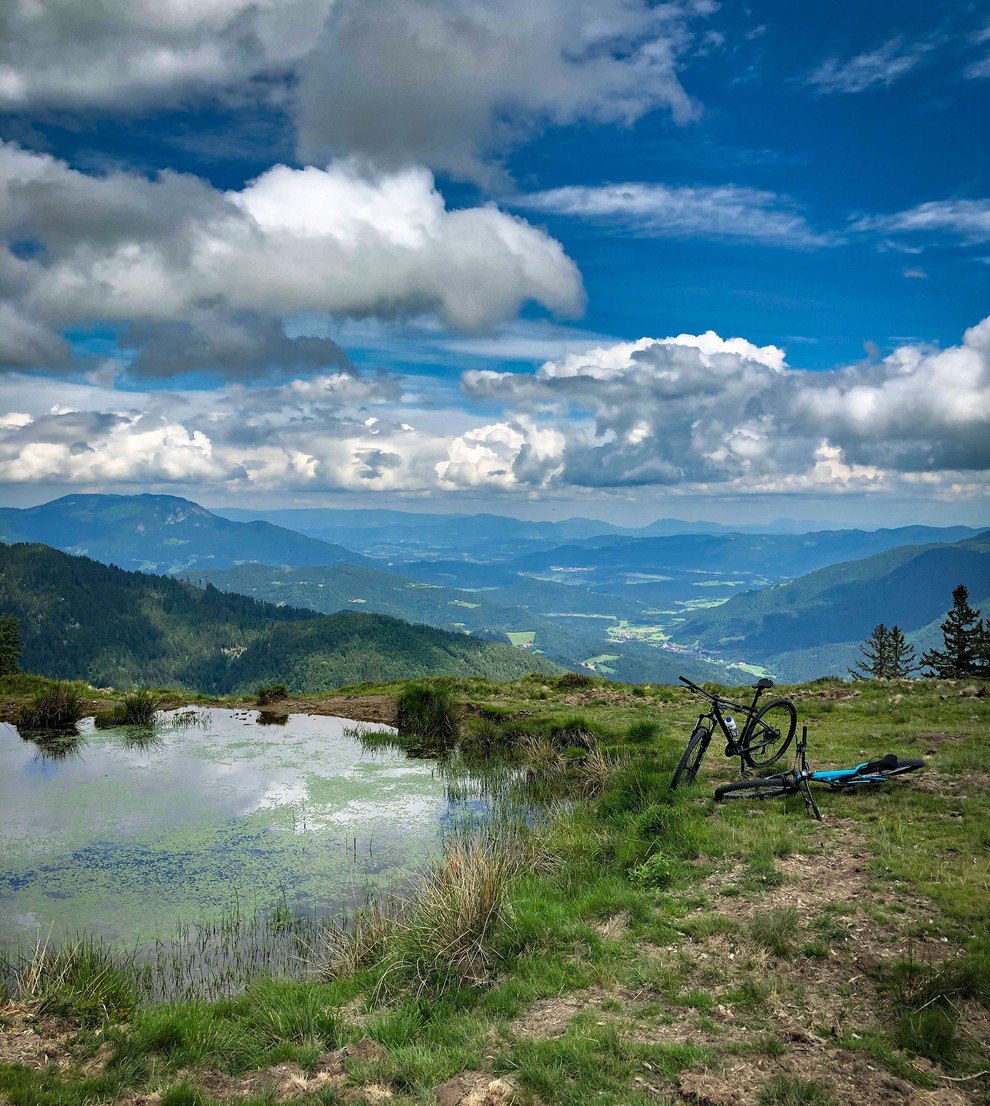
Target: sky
[{"x": 610, "y": 258}]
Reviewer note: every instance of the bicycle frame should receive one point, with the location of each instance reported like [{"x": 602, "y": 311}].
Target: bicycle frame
[
  {"x": 734, "y": 743},
  {"x": 867, "y": 772}
]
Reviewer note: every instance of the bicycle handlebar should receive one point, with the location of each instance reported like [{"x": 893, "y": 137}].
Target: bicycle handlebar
[{"x": 763, "y": 685}]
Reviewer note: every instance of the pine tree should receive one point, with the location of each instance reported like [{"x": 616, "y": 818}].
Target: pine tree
[
  {"x": 902, "y": 657},
  {"x": 965, "y": 637},
  {"x": 10, "y": 644},
  {"x": 887, "y": 655},
  {"x": 876, "y": 655}
]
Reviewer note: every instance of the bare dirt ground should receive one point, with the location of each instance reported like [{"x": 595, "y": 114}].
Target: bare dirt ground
[
  {"x": 362, "y": 708},
  {"x": 801, "y": 1008},
  {"x": 759, "y": 1014}
]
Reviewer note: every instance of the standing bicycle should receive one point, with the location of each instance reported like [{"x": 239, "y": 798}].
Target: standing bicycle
[{"x": 760, "y": 742}]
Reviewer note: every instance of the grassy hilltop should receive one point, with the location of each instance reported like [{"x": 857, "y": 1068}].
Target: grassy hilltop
[{"x": 628, "y": 945}]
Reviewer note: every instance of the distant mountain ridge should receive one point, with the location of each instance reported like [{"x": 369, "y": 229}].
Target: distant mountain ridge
[
  {"x": 814, "y": 625},
  {"x": 162, "y": 534},
  {"x": 83, "y": 619}
]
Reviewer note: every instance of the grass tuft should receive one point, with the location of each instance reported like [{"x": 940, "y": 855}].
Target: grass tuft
[
  {"x": 429, "y": 710},
  {"x": 57, "y": 706}
]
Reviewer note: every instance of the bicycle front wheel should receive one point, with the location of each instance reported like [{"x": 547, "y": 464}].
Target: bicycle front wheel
[
  {"x": 691, "y": 758},
  {"x": 770, "y": 787},
  {"x": 769, "y": 733}
]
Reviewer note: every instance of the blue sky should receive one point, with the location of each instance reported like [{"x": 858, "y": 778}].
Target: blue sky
[{"x": 617, "y": 259}]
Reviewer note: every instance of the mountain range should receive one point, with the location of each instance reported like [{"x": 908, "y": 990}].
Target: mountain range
[{"x": 633, "y": 605}]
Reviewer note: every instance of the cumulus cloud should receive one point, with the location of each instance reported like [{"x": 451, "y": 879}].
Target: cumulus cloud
[
  {"x": 211, "y": 270},
  {"x": 242, "y": 343},
  {"x": 309, "y": 434},
  {"x": 883, "y": 66},
  {"x": 440, "y": 82},
  {"x": 655, "y": 210},
  {"x": 65, "y": 55},
  {"x": 691, "y": 414},
  {"x": 449, "y": 81},
  {"x": 703, "y": 412}
]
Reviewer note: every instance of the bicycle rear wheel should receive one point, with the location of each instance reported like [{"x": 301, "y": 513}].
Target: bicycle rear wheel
[
  {"x": 690, "y": 762},
  {"x": 770, "y": 787},
  {"x": 875, "y": 776},
  {"x": 904, "y": 764},
  {"x": 769, "y": 733}
]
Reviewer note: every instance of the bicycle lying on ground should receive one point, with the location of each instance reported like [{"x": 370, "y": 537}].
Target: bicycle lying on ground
[
  {"x": 762, "y": 741},
  {"x": 871, "y": 773}
]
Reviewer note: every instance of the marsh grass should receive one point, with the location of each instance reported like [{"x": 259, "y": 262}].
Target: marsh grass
[
  {"x": 57, "y": 706},
  {"x": 139, "y": 708},
  {"x": 86, "y": 980},
  {"x": 449, "y": 930},
  {"x": 429, "y": 710}
]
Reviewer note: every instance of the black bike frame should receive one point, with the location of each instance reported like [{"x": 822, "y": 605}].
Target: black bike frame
[{"x": 735, "y": 744}]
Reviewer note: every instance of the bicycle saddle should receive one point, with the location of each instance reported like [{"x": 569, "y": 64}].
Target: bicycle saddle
[
  {"x": 883, "y": 764},
  {"x": 763, "y": 684}
]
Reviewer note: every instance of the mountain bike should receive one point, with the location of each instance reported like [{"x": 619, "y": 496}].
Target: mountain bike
[
  {"x": 762, "y": 741},
  {"x": 871, "y": 773}
]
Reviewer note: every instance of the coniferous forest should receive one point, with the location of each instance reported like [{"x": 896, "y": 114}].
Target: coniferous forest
[{"x": 79, "y": 619}]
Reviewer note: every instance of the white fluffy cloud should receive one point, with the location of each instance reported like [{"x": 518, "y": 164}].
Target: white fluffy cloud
[
  {"x": 439, "y": 82},
  {"x": 655, "y": 210},
  {"x": 449, "y": 81},
  {"x": 707, "y": 413},
  {"x": 59, "y": 53},
  {"x": 339, "y": 240},
  {"x": 692, "y": 414}
]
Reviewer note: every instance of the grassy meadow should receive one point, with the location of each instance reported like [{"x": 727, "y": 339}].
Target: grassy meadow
[{"x": 598, "y": 938}]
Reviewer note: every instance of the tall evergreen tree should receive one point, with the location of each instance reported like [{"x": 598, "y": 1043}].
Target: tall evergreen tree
[
  {"x": 875, "y": 653},
  {"x": 10, "y": 644},
  {"x": 965, "y": 637},
  {"x": 902, "y": 656},
  {"x": 886, "y": 655}
]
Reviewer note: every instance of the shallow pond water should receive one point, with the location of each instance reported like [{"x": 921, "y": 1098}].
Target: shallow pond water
[{"x": 123, "y": 833}]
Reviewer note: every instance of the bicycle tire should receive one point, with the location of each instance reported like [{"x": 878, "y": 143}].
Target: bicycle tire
[
  {"x": 691, "y": 758},
  {"x": 902, "y": 766},
  {"x": 771, "y": 735},
  {"x": 769, "y": 787}
]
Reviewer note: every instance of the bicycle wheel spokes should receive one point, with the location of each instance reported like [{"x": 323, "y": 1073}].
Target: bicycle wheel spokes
[
  {"x": 770, "y": 787},
  {"x": 690, "y": 762},
  {"x": 769, "y": 734}
]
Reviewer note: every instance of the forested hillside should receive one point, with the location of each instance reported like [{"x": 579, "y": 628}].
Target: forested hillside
[
  {"x": 82, "y": 619},
  {"x": 812, "y": 626}
]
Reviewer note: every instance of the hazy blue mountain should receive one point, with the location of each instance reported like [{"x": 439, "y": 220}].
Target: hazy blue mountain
[
  {"x": 83, "y": 619},
  {"x": 756, "y": 557},
  {"x": 814, "y": 625},
  {"x": 162, "y": 533},
  {"x": 408, "y": 536}
]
